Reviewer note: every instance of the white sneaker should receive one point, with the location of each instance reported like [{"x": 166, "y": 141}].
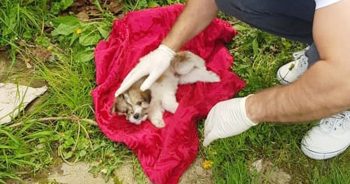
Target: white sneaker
[
  {"x": 291, "y": 71},
  {"x": 330, "y": 138},
  {"x": 298, "y": 54}
]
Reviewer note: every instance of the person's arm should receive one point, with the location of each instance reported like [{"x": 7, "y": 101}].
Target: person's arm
[
  {"x": 322, "y": 91},
  {"x": 196, "y": 16},
  {"x": 325, "y": 88}
]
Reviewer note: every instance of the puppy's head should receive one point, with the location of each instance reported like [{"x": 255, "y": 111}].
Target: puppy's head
[{"x": 133, "y": 104}]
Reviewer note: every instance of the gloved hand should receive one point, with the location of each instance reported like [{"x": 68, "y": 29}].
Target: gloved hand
[
  {"x": 225, "y": 119},
  {"x": 153, "y": 64}
]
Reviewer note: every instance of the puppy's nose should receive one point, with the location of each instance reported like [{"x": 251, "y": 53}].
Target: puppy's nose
[{"x": 137, "y": 116}]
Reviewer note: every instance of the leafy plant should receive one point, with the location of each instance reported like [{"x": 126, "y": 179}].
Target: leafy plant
[
  {"x": 60, "y": 5},
  {"x": 81, "y": 36}
]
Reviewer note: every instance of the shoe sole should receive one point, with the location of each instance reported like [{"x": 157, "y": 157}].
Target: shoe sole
[{"x": 322, "y": 156}]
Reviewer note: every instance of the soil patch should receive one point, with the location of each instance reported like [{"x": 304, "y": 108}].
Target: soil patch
[
  {"x": 269, "y": 173},
  {"x": 17, "y": 72},
  {"x": 79, "y": 173}
]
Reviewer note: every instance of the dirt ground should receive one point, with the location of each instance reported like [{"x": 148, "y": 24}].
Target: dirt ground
[
  {"x": 196, "y": 174},
  {"x": 17, "y": 72},
  {"x": 79, "y": 173},
  {"x": 268, "y": 173}
]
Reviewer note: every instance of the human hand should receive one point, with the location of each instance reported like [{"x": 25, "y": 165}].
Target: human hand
[
  {"x": 225, "y": 119},
  {"x": 153, "y": 64}
]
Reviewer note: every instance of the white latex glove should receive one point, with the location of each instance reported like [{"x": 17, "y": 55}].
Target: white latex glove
[
  {"x": 153, "y": 64},
  {"x": 225, "y": 119}
]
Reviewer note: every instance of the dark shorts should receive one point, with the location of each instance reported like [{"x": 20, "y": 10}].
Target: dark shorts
[{"x": 291, "y": 19}]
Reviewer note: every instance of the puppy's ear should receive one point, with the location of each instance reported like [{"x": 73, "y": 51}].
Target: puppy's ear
[
  {"x": 179, "y": 58},
  {"x": 146, "y": 95},
  {"x": 114, "y": 108},
  {"x": 119, "y": 102},
  {"x": 115, "y": 103}
]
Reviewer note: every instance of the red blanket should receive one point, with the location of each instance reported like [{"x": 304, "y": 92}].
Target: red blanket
[{"x": 163, "y": 153}]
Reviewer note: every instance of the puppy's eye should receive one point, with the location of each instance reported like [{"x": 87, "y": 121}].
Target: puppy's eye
[{"x": 139, "y": 103}]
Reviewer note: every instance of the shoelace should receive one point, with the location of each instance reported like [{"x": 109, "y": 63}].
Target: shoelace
[
  {"x": 299, "y": 63},
  {"x": 300, "y": 53},
  {"x": 300, "y": 58},
  {"x": 336, "y": 121}
]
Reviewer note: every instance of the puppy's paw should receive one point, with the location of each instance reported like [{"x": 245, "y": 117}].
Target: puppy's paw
[
  {"x": 173, "y": 108},
  {"x": 170, "y": 106},
  {"x": 211, "y": 77},
  {"x": 199, "y": 74},
  {"x": 158, "y": 122},
  {"x": 185, "y": 80}
]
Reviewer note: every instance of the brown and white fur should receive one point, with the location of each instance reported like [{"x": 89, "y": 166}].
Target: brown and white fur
[{"x": 137, "y": 106}]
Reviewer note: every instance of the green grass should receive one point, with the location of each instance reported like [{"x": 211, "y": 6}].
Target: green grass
[{"x": 32, "y": 144}]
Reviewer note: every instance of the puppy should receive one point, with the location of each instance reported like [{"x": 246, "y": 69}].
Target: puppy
[
  {"x": 137, "y": 106},
  {"x": 133, "y": 103}
]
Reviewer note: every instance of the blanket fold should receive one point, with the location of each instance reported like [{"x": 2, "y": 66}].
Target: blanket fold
[{"x": 163, "y": 153}]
